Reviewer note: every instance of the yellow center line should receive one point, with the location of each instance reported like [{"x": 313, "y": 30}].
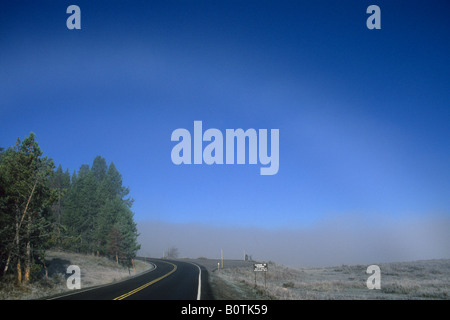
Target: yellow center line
[{"x": 147, "y": 284}]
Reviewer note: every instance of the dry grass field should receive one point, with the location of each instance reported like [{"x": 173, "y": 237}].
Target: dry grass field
[{"x": 428, "y": 279}]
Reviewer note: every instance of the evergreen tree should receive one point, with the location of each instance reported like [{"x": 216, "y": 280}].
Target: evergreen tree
[
  {"x": 97, "y": 215},
  {"x": 128, "y": 231},
  {"x": 81, "y": 208},
  {"x": 42, "y": 207},
  {"x": 120, "y": 231},
  {"x": 60, "y": 182},
  {"x": 24, "y": 208},
  {"x": 99, "y": 168}
]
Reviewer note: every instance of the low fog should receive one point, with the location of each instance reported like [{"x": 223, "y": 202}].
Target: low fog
[{"x": 347, "y": 240}]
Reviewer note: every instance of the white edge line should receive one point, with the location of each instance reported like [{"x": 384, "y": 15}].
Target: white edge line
[{"x": 199, "y": 289}]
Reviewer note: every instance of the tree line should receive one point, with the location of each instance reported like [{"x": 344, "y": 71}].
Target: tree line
[{"x": 42, "y": 207}]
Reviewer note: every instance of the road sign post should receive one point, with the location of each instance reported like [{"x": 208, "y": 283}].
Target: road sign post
[{"x": 260, "y": 267}]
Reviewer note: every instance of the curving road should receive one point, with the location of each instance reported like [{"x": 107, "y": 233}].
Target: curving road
[{"x": 169, "y": 280}]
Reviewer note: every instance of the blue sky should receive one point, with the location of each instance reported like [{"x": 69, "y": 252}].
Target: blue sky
[{"x": 363, "y": 114}]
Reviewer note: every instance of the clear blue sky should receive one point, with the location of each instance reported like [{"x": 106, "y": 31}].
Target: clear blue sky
[{"x": 363, "y": 114}]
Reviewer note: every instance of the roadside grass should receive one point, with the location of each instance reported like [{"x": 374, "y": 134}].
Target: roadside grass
[
  {"x": 94, "y": 271},
  {"x": 428, "y": 279}
]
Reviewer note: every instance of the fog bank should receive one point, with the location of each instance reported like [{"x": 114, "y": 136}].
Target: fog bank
[{"x": 347, "y": 240}]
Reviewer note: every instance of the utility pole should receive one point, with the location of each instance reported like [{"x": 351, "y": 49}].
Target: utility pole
[{"x": 221, "y": 257}]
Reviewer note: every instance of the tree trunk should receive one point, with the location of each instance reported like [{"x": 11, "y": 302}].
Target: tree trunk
[
  {"x": 19, "y": 272},
  {"x": 15, "y": 246},
  {"x": 17, "y": 236},
  {"x": 28, "y": 252},
  {"x": 27, "y": 263}
]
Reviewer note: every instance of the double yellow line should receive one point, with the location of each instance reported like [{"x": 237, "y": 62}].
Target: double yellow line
[{"x": 147, "y": 284}]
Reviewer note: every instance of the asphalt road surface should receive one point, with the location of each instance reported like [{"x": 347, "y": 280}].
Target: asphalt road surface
[{"x": 169, "y": 280}]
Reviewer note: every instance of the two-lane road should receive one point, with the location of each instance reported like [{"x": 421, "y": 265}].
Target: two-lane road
[{"x": 169, "y": 280}]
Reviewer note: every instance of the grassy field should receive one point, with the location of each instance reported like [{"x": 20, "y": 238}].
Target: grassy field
[
  {"x": 428, "y": 279},
  {"x": 94, "y": 271}
]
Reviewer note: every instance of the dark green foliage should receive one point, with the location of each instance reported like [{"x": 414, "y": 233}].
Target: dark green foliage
[
  {"x": 41, "y": 207},
  {"x": 25, "y": 200},
  {"x": 80, "y": 211},
  {"x": 97, "y": 216}
]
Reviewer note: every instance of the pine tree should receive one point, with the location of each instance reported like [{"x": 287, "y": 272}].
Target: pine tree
[
  {"x": 60, "y": 182},
  {"x": 99, "y": 168},
  {"x": 128, "y": 230},
  {"x": 42, "y": 207},
  {"x": 97, "y": 213},
  {"x": 81, "y": 208},
  {"x": 26, "y": 199}
]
